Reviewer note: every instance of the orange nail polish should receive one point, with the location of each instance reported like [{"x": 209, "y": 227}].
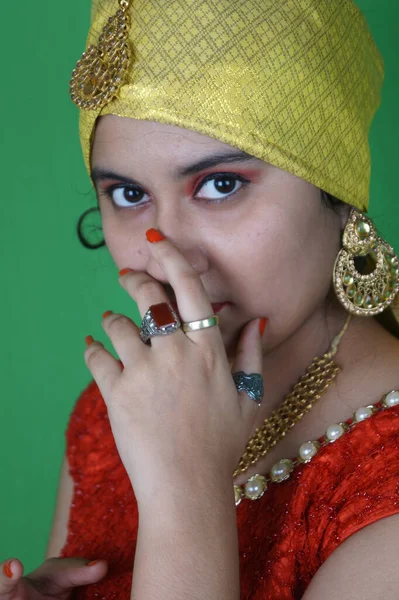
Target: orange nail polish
[
  {"x": 153, "y": 236},
  {"x": 107, "y": 313},
  {"x": 7, "y": 569},
  {"x": 89, "y": 340},
  {"x": 124, "y": 271},
  {"x": 262, "y": 325},
  {"x": 93, "y": 562}
]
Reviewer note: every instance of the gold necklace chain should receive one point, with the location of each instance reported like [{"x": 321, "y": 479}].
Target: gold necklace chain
[{"x": 310, "y": 387}]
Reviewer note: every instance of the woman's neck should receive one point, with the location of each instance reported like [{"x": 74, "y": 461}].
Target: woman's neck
[
  {"x": 357, "y": 356},
  {"x": 368, "y": 357}
]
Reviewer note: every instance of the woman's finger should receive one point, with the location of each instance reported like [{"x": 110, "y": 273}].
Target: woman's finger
[
  {"x": 125, "y": 337},
  {"x": 102, "y": 365},
  {"x": 68, "y": 573},
  {"x": 144, "y": 289},
  {"x": 192, "y": 299},
  {"x": 249, "y": 360},
  {"x": 191, "y": 296},
  {"x": 146, "y": 292},
  {"x": 56, "y": 576},
  {"x": 11, "y": 571}
]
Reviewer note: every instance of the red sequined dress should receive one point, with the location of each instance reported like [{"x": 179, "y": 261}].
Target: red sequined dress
[{"x": 284, "y": 537}]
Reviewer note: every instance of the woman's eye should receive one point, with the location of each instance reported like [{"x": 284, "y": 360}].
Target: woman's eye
[
  {"x": 126, "y": 196},
  {"x": 218, "y": 187}
]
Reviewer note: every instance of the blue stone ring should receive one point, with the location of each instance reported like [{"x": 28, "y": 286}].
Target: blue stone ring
[{"x": 251, "y": 384}]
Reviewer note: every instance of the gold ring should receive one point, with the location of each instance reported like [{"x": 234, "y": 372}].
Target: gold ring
[{"x": 202, "y": 324}]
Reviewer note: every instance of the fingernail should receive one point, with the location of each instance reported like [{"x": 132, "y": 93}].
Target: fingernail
[
  {"x": 93, "y": 562},
  {"x": 262, "y": 325},
  {"x": 153, "y": 236},
  {"x": 107, "y": 313},
  {"x": 125, "y": 271},
  {"x": 89, "y": 340},
  {"x": 7, "y": 569}
]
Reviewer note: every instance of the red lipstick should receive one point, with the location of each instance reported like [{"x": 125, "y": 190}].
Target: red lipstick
[{"x": 216, "y": 307}]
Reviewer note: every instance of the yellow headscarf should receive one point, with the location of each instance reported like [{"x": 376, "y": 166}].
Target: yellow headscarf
[{"x": 295, "y": 83}]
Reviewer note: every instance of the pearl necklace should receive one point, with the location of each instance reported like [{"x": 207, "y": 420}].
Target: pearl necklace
[{"x": 257, "y": 485}]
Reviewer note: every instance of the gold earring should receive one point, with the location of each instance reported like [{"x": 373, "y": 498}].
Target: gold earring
[
  {"x": 102, "y": 69},
  {"x": 371, "y": 293}
]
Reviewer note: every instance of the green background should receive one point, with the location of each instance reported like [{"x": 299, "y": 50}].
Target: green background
[{"x": 53, "y": 290}]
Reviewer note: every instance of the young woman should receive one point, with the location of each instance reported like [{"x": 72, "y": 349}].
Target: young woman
[{"x": 218, "y": 458}]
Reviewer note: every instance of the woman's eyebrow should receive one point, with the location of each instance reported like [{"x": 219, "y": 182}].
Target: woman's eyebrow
[
  {"x": 212, "y": 161},
  {"x": 99, "y": 174}
]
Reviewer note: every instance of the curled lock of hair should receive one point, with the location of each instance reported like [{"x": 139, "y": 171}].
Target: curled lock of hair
[{"x": 88, "y": 228}]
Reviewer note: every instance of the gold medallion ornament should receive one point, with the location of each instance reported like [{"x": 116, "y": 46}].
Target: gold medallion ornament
[
  {"x": 370, "y": 293},
  {"x": 102, "y": 69}
]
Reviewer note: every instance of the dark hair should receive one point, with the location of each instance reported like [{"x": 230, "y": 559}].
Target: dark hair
[
  {"x": 330, "y": 201},
  {"x": 88, "y": 229},
  {"x": 89, "y": 226}
]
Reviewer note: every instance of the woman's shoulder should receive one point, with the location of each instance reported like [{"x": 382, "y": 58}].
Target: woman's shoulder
[
  {"x": 349, "y": 499},
  {"x": 353, "y": 480},
  {"x": 350, "y": 483}
]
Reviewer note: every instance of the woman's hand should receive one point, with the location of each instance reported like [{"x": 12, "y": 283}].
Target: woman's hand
[
  {"x": 55, "y": 578},
  {"x": 173, "y": 407}
]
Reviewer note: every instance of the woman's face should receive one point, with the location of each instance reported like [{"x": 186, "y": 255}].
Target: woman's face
[{"x": 260, "y": 238}]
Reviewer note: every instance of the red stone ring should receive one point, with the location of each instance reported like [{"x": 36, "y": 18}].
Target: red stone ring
[{"x": 160, "y": 319}]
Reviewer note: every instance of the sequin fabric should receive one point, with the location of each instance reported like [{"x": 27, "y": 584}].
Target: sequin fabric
[
  {"x": 295, "y": 83},
  {"x": 284, "y": 537}
]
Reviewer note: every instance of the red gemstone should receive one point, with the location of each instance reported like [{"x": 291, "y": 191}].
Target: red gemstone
[{"x": 162, "y": 315}]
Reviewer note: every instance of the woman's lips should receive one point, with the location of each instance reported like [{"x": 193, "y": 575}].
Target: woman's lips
[{"x": 216, "y": 307}]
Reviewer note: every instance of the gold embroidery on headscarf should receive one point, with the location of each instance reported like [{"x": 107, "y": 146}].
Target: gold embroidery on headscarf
[{"x": 102, "y": 70}]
